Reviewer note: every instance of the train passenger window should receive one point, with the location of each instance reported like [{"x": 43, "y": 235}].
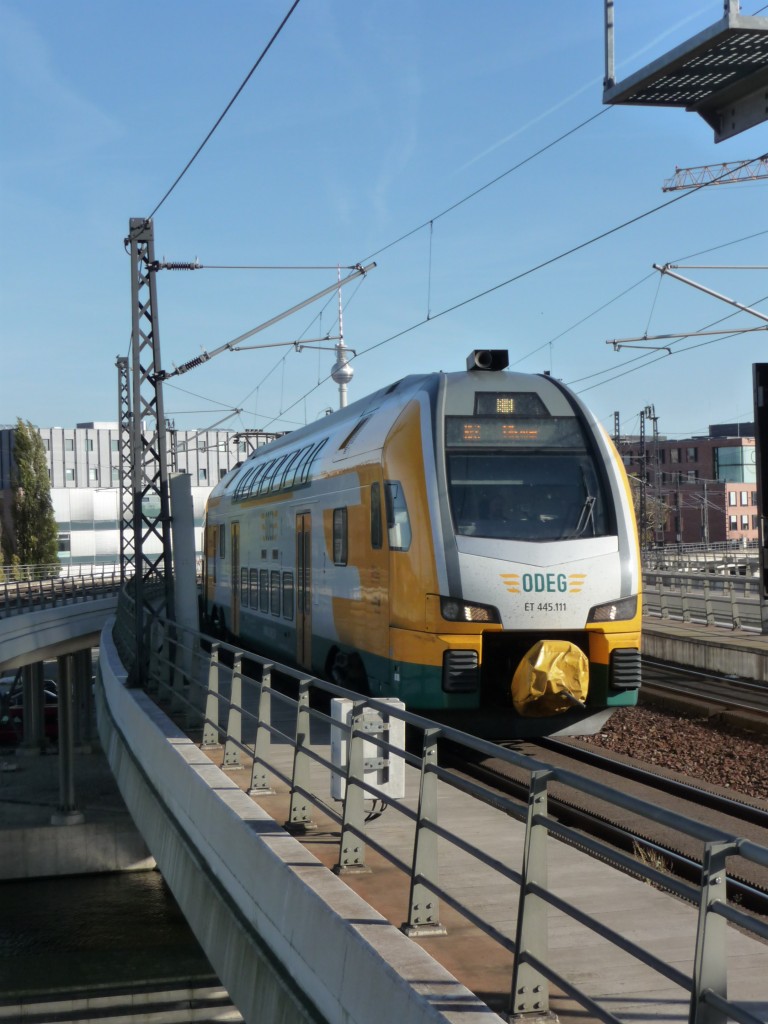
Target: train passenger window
[
  {"x": 287, "y": 595},
  {"x": 244, "y": 587},
  {"x": 340, "y": 536},
  {"x": 263, "y": 591},
  {"x": 298, "y": 467},
  {"x": 222, "y": 540},
  {"x": 353, "y": 433},
  {"x": 275, "y": 593},
  {"x": 265, "y": 477},
  {"x": 286, "y": 476},
  {"x": 376, "y": 531},
  {"x": 254, "y": 588},
  {"x": 242, "y": 484},
  {"x": 306, "y": 472},
  {"x": 398, "y": 520},
  {"x": 276, "y": 472}
]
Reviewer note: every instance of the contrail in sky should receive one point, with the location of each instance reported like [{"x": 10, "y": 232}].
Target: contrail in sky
[{"x": 589, "y": 85}]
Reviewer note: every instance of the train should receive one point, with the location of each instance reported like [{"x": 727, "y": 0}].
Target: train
[{"x": 462, "y": 541}]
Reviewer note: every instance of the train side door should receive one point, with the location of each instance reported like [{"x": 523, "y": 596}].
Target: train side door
[
  {"x": 209, "y": 566},
  {"x": 235, "y": 581},
  {"x": 304, "y": 589}
]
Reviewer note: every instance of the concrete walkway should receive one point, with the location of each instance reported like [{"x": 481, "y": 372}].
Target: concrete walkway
[{"x": 642, "y": 914}]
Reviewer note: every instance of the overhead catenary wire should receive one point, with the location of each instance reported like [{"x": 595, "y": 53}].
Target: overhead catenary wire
[
  {"x": 645, "y": 359},
  {"x": 430, "y": 223},
  {"x": 625, "y": 291},
  {"x": 226, "y": 110},
  {"x": 488, "y": 184}
]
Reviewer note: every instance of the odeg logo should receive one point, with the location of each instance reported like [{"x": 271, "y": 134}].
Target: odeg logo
[{"x": 544, "y": 582}]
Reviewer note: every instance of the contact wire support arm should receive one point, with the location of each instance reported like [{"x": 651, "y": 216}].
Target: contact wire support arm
[{"x": 359, "y": 271}]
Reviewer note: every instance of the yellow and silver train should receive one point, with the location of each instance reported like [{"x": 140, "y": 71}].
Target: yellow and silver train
[{"x": 460, "y": 541}]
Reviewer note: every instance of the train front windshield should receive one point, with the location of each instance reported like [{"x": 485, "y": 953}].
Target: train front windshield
[{"x": 534, "y": 480}]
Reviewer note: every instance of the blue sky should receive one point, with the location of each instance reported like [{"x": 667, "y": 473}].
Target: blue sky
[{"x": 364, "y": 122}]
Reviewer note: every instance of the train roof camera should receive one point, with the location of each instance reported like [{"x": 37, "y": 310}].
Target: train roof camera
[{"x": 488, "y": 359}]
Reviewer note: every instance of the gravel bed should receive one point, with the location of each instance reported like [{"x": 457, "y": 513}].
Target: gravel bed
[{"x": 690, "y": 744}]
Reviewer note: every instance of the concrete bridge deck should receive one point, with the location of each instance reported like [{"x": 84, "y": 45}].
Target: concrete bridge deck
[{"x": 479, "y": 967}]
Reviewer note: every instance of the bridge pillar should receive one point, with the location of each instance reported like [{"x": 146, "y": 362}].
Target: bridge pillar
[
  {"x": 82, "y": 725},
  {"x": 67, "y": 812},
  {"x": 33, "y": 738}
]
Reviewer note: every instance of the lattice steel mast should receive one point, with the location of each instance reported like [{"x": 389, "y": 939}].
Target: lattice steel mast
[
  {"x": 125, "y": 442},
  {"x": 151, "y": 505}
]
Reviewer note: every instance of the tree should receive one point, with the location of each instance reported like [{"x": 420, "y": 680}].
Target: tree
[{"x": 35, "y": 539}]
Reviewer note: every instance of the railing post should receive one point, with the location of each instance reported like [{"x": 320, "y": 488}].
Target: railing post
[
  {"x": 710, "y": 965},
  {"x": 685, "y": 603},
  {"x": 197, "y": 684},
  {"x": 260, "y": 774},
  {"x": 735, "y": 614},
  {"x": 299, "y": 819},
  {"x": 211, "y": 724},
  {"x": 530, "y": 988},
  {"x": 424, "y": 905},
  {"x": 708, "y": 609},
  {"x": 663, "y": 606},
  {"x": 155, "y": 659},
  {"x": 235, "y": 716},
  {"x": 352, "y": 845}
]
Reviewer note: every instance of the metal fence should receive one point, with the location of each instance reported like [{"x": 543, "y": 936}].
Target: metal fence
[
  {"x": 730, "y": 601},
  {"x": 283, "y": 736},
  {"x": 17, "y": 596}
]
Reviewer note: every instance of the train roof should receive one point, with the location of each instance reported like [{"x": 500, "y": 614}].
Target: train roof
[{"x": 343, "y": 426}]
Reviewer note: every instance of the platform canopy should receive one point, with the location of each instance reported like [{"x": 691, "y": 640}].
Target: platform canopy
[{"x": 721, "y": 74}]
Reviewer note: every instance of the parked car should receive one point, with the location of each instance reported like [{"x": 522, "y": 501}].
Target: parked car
[
  {"x": 12, "y": 712},
  {"x": 7, "y": 681}
]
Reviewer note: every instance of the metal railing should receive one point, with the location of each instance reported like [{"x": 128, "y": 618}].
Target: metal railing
[
  {"x": 18, "y": 596},
  {"x": 18, "y": 573},
  {"x": 255, "y": 723},
  {"x": 725, "y": 557},
  {"x": 710, "y": 599}
]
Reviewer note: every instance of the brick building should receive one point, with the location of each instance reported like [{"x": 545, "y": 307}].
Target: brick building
[{"x": 705, "y": 487}]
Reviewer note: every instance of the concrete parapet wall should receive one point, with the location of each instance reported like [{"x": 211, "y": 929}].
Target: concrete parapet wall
[
  {"x": 288, "y": 939},
  {"x": 50, "y": 632},
  {"x": 716, "y": 654}
]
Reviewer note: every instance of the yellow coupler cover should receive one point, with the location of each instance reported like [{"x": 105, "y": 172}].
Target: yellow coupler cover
[{"x": 553, "y": 677}]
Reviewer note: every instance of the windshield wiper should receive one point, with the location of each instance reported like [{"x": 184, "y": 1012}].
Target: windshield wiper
[{"x": 586, "y": 516}]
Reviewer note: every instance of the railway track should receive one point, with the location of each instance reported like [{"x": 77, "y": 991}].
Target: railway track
[
  {"x": 664, "y": 681},
  {"x": 675, "y": 852}
]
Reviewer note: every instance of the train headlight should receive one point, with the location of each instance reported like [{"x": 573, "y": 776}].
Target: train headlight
[
  {"x": 614, "y": 611},
  {"x": 461, "y": 611}
]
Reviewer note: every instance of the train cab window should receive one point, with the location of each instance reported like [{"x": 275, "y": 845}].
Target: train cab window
[
  {"x": 275, "y": 595},
  {"x": 263, "y": 590},
  {"x": 535, "y": 496},
  {"x": 340, "y": 536},
  {"x": 253, "y": 600},
  {"x": 222, "y": 540},
  {"x": 244, "y": 587},
  {"x": 287, "y": 595},
  {"x": 398, "y": 520},
  {"x": 376, "y": 531}
]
